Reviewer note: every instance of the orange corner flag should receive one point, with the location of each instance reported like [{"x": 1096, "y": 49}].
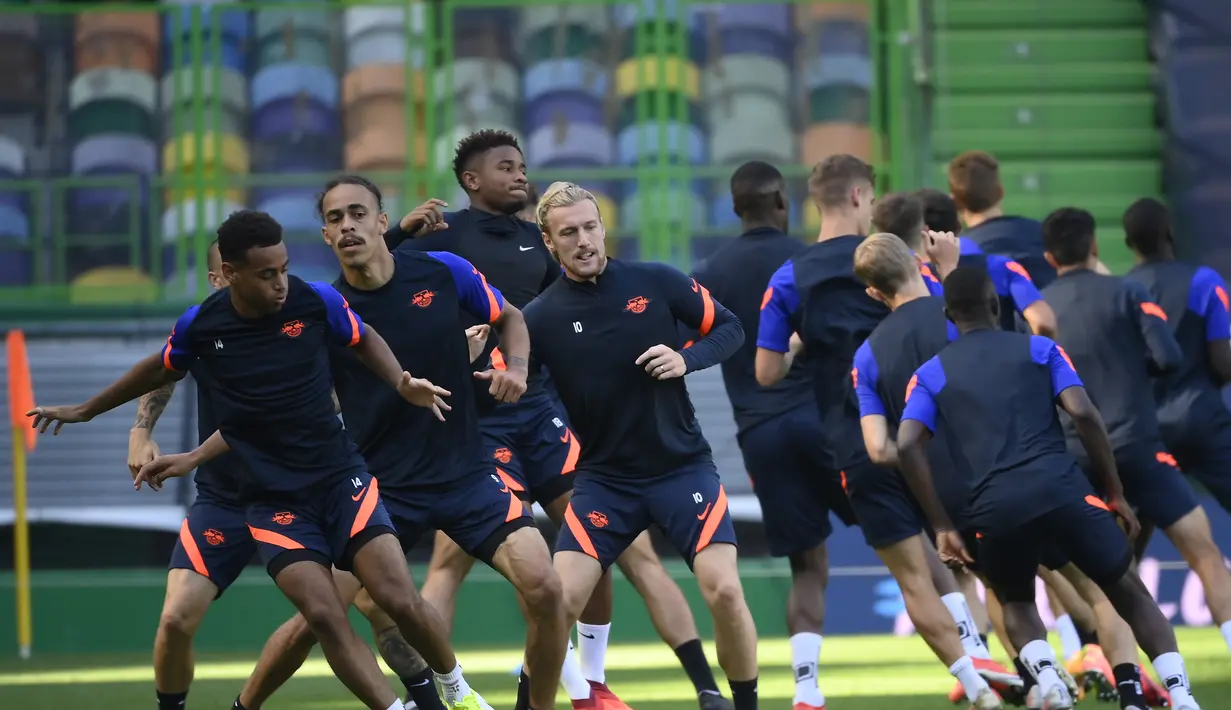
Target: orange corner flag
[{"x": 21, "y": 387}]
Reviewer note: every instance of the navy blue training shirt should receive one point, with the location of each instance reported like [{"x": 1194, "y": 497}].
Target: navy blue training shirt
[
  {"x": 419, "y": 312},
  {"x": 1196, "y": 303},
  {"x": 270, "y": 385},
  {"x": 507, "y": 250},
  {"x": 1014, "y": 287},
  {"x": 217, "y": 479},
  {"x": 1117, "y": 338},
  {"x": 884, "y": 366},
  {"x": 817, "y": 295},
  {"x": 590, "y": 335},
  {"x": 1019, "y": 239},
  {"x": 737, "y": 276},
  {"x": 995, "y": 392}
]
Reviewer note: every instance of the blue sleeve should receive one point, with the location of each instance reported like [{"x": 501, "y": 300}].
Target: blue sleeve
[
  {"x": 1208, "y": 298},
  {"x": 477, "y": 297},
  {"x": 929, "y": 278},
  {"x": 1045, "y": 351},
  {"x": 954, "y": 333},
  {"x": 176, "y": 354},
  {"x": 778, "y": 306},
  {"x": 967, "y": 247},
  {"x": 865, "y": 374},
  {"x": 1015, "y": 282},
  {"x": 344, "y": 324},
  {"x": 921, "y": 393}
]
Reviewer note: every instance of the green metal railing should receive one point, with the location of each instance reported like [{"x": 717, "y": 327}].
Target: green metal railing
[{"x": 664, "y": 231}]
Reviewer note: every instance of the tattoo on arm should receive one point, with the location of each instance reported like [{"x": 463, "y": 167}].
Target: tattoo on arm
[
  {"x": 151, "y": 406},
  {"x": 516, "y": 361},
  {"x": 404, "y": 660}
]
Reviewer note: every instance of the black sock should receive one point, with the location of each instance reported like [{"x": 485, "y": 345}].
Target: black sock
[
  {"x": 171, "y": 701},
  {"x": 697, "y": 666},
  {"x": 523, "y": 692},
  {"x": 1024, "y": 673},
  {"x": 422, "y": 690},
  {"x": 744, "y": 694},
  {"x": 1087, "y": 637},
  {"x": 238, "y": 705},
  {"x": 983, "y": 638},
  {"x": 1128, "y": 683}
]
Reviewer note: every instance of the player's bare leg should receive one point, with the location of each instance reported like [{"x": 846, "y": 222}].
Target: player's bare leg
[
  {"x": 805, "y": 622},
  {"x": 1191, "y": 535},
  {"x": 523, "y": 558},
  {"x": 445, "y": 573},
  {"x": 672, "y": 617},
  {"x": 1073, "y": 609},
  {"x": 908, "y": 561},
  {"x": 735, "y": 635},
  {"x": 310, "y": 588},
  {"x": 289, "y": 646},
  {"x": 579, "y": 575},
  {"x": 188, "y": 597}
]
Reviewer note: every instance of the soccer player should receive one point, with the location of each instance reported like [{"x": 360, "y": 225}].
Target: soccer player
[
  {"x": 901, "y": 214},
  {"x": 607, "y": 331},
  {"x": 778, "y": 427},
  {"x": 262, "y": 347},
  {"x": 974, "y": 183},
  {"x": 817, "y": 295},
  {"x": 1117, "y": 338},
  {"x": 1017, "y": 293},
  {"x": 1030, "y": 498},
  {"x": 530, "y": 441},
  {"x": 434, "y": 475},
  {"x": 1195, "y": 424},
  {"x": 214, "y": 544}
]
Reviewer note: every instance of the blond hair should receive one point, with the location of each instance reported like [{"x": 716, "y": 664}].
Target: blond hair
[
  {"x": 562, "y": 194},
  {"x": 884, "y": 262}
]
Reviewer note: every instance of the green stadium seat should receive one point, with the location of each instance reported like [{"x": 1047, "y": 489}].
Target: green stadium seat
[
  {"x": 1056, "y": 112},
  {"x": 112, "y": 284},
  {"x": 1094, "y": 142},
  {"x": 1061, "y": 177},
  {"x": 1039, "y": 47},
  {"x": 1015, "y": 14},
  {"x": 1033, "y": 78}
]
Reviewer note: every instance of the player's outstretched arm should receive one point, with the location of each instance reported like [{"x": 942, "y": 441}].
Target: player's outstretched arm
[
  {"x": 146, "y": 376},
  {"x": 176, "y": 465}
]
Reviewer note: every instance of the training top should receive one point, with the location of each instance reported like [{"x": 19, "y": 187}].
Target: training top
[
  {"x": 1195, "y": 301},
  {"x": 817, "y": 295},
  {"x": 270, "y": 385},
  {"x": 217, "y": 479},
  {"x": 419, "y": 312},
  {"x": 1017, "y": 238},
  {"x": 590, "y": 335},
  {"x": 510, "y": 253},
  {"x": 1117, "y": 337},
  {"x": 737, "y": 275},
  {"x": 884, "y": 366},
  {"x": 1014, "y": 287},
  {"x": 995, "y": 392}
]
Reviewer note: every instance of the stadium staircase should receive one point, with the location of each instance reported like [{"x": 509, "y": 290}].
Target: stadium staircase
[{"x": 1060, "y": 91}]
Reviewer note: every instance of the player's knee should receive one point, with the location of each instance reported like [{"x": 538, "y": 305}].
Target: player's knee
[
  {"x": 724, "y": 595},
  {"x": 542, "y": 591},
  {"x": 324, "y": 617},
  {"x": 180, "y": 619},
  {"x": 365, "y": 605}
]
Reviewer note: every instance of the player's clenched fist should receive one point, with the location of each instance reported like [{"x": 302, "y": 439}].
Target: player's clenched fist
[
  {"x": 422, "y": 393},
  {"x": 476, "y": 340},
  {"x": 663, "y": 363},
  {"x": 426, "y": 218}
]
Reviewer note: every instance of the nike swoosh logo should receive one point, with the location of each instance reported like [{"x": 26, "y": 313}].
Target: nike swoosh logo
[
  {"x": 565, "y": 437},
  {"x": 420, "y": 685},
  {"x": 505, "y": 489},
  {"x": 524, "y": 248},
  {"x": 359, "y": 495},
  {"x": 705, "y": 512},
  {"x": 589, "y": 636}
]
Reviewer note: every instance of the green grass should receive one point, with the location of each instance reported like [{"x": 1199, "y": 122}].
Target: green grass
[{"x": 857, "y": 673}]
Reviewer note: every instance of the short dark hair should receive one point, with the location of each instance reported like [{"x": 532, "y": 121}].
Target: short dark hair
[
  {"x": 968, "y": 292},
  {"x": 1068, "y": 233},
  {"x": 359, "y": 180},
  {"x": 753, "y": 187},
  {"x": 939, "y": 210},
  {"x": 245, "y": 230},
  {"x": 476, "y": 144},
  {"x": 900, "y": 214},
  {"x": 1147, "y": 226},
  {"x": 832, "y": 178},
  {"x": 974, "y": 181}
]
